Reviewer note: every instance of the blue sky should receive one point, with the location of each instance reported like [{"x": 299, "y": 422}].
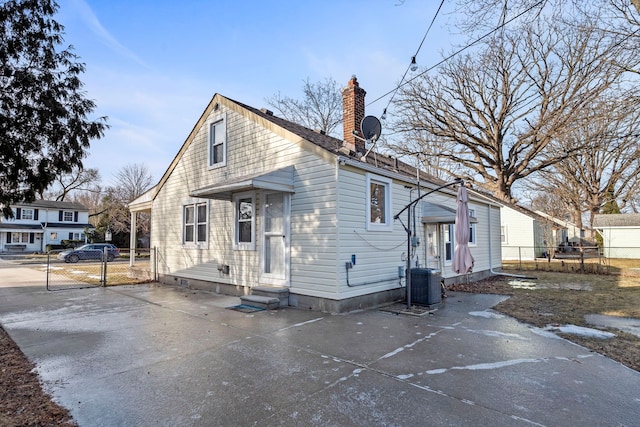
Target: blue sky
[{"x": 152, "y": 66}]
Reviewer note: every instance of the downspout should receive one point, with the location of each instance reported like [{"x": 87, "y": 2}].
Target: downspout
[{"x": 491, "y": 270}]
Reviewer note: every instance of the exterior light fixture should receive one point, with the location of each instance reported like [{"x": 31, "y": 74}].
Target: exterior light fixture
[
  {"x": 414, "y": 65},
  {"x": 384, "y": 115}
]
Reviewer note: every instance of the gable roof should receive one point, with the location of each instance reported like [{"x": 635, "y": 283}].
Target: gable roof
[
  {"x": 526, "y": 211},
  {"x": 314, "y": 140},
  {"x": 616, "y": 220}
]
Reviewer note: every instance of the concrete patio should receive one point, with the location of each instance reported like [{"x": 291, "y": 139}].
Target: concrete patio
[{"x": 151, "y": 355}]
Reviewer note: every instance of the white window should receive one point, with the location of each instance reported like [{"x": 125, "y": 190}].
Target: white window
[
  {"x": 378, "y": 200},
  {"x": 53, "y": 235},
  {"x": 27, "y": 214},
  {"x": 503, "y": 233},
  {"x": 218, "y": 143},
  {"x": 195, "y": 223},
  {"x": 19, "y": 238},
  {"x": 448, "y": 242},
  {"x": 245, "y": 221},
  {"x": 76, "y": 236},
  {"x": 67, "y": 216},
  {"x": 472, "y": 228}
]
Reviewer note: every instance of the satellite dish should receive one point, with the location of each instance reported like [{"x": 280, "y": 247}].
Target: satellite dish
[{"x": 371, "y": 128}]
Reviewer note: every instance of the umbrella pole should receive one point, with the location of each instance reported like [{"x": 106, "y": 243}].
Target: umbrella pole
[
  {"x": 408, "y": 229},
  {"x": 408, "y": 273}
]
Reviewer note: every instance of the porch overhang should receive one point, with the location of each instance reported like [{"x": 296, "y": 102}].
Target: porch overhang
[
  {"x": 433, "y": 213},
  {"x": 277, "y": 180},
  {"x": 21, "y": 228}
]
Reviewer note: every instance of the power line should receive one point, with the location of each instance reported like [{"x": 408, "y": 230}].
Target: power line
[
  {"x": 413, "y": 58},
  {"x": 459, "y": 51}
]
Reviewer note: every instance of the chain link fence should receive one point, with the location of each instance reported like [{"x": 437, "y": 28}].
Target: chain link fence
[
  {"x": 73, "y": 269},
  {"x": 573, "y": 259}
]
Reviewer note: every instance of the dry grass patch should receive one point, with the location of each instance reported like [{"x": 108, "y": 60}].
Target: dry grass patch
[{"x": 554, "y": 299}]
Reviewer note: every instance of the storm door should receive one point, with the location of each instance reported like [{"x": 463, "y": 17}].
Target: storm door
[
  {"x": 432, "y": 247},
  {"x": 275, "y": 250}
]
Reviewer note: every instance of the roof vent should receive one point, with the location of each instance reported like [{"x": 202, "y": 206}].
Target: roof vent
[
  {"x": 267, "y": 112},
  {"x": 320, "y": 131}
]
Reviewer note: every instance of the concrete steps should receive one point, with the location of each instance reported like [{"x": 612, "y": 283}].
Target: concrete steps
[{"x": 267, "y": 297}]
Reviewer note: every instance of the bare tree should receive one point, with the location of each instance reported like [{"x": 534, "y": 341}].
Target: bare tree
[
  {"x": 496, "y": 112},
  {"x": 607, "y": 169},
  {"x": 130, "y": 182},
  {"x": 79, "y": 180},
  {"x": 483, "y": 15},
  {"x": 320, "y": 108}
]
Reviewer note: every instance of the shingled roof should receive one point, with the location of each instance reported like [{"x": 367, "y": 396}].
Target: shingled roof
[
  {"x": 333, "y": 145},
  {"x": 616, "y": 220}
]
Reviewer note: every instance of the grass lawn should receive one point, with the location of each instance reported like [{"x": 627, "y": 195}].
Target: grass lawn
[{"x": 555, "y": 298}]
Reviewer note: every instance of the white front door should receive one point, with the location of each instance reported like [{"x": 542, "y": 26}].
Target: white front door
[{"x": 275, "y": 248}]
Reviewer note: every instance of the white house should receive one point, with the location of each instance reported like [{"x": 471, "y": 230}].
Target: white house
[
  {"x": 254, "y": 200},
  {"x": 526, "y": 234},
  {"x": 41, "y": 223},
  {"x": 620, "y": 234}
]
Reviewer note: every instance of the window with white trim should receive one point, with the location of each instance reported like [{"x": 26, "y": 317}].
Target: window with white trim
[
  {"x": 245, "y": 221},
  {"x": 472, "y": 228},
  {"x": 67, "y": 216},
  {"x": 447, "y": 238},
  {"x": 503, "y": 233},
  {"x": 53, "y": 235},
  {"x": 378, "y": 203},
  {"x": 27, "y": 213},
  {"x": 195, "y": 221},
  {"x": 218, "y": 143},
  {"x": 19, "y": 238}
]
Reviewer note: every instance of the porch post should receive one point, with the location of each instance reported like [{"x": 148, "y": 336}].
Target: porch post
[{"x": 133, "y": 239}]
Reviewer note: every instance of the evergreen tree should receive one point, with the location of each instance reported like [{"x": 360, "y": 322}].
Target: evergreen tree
[{"x": 44, "y": 128}]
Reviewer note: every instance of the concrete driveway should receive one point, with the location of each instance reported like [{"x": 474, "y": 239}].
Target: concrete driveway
[{"x": 150, "y": 355}]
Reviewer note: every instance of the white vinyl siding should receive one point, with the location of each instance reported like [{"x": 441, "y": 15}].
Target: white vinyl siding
[
  {"x": 378, "y": 255},
  {"x": 251, "y": 149}
]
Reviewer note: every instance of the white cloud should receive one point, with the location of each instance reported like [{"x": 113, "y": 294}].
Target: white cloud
[{"x": 92, "y": 21}]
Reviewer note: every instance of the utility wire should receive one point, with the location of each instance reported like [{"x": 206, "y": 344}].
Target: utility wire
[
  {"x": 414, "y": 56},
  {"x": 459, "y": 51}
]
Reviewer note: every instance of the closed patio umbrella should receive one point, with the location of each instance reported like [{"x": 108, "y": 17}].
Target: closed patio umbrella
[{"x": 462, "y": 259}]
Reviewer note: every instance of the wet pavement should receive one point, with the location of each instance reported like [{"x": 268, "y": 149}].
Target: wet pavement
[{"x": 150, "y": 355}]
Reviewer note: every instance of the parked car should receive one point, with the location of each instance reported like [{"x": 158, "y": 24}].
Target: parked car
[{"x": 90, "y": 251}]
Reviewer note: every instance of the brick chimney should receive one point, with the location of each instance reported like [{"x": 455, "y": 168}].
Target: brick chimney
[{"x": 352, "y": 114}]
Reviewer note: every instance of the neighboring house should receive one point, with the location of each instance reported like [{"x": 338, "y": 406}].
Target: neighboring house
[
  {"x": 566, "y": 233},
  {"x": 252, "y": 199},
  {"x": 620, "y": 234},
  {"x": 38, "y": 224},
  {"x": 527, "y": 235}
]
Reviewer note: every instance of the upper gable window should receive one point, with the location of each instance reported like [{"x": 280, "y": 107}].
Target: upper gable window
[
  {"x": 378, "y": 200},
  {"x": 218, "y": 143}
]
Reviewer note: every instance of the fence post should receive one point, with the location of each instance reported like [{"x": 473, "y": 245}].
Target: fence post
[
  {"x": 48, "y": 268},
  {"x": 155, "y": 264},
  {"x": 105, "y": 256},
  {"x": 520, "y": 257}
]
